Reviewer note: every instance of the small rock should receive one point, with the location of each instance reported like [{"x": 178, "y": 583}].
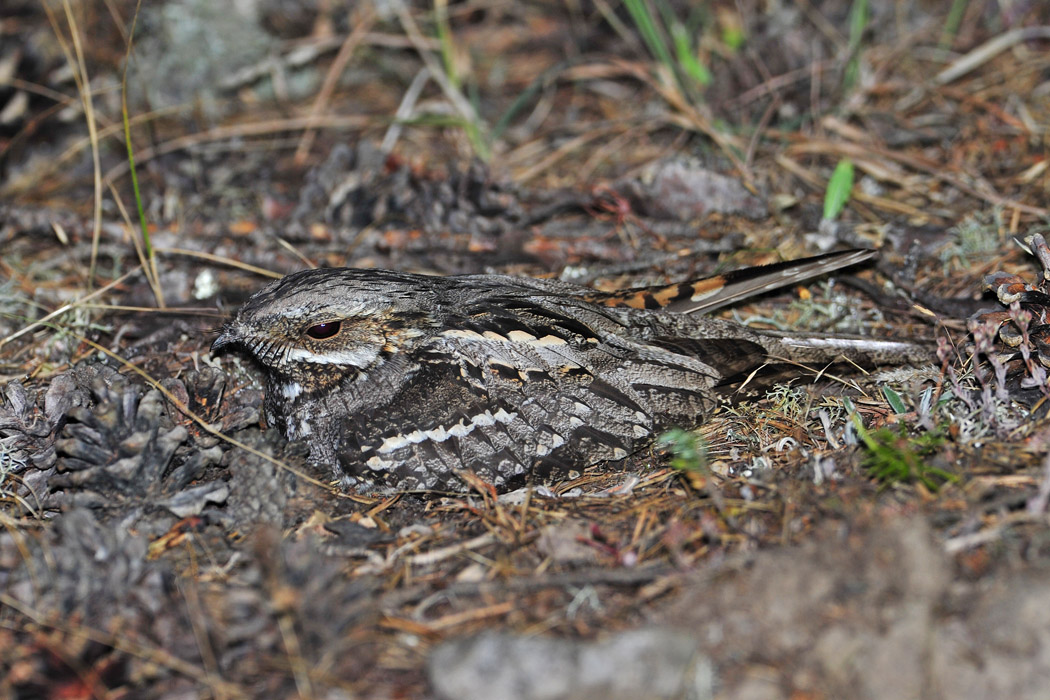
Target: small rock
[{"x": 644, "y": 664}]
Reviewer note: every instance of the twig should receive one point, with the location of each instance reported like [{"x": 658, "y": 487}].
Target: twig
[
  {"x": 363, "y": 23},
  {"x": 67, "y": 307},
  {"x": 76, "y": 61},
  {"x": 1037, "y": 504},
  {"x": 609, "y": 577},
  {"x": 988, "y": 50},
  {"x": 990, "y": 534},
  {"x": 197, "y": 618},
  {"x": 404, "y": 110},
  {"x": 442, "y": 553},
  {"x": 930, "y": 167},
  {"x": 211, "y": 257},
  {"x": 460, "y": 103},
  {"x": 239, "y": 130}
]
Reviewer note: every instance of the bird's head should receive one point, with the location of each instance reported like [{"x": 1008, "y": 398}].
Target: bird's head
[{"x": 316, "y": 328}]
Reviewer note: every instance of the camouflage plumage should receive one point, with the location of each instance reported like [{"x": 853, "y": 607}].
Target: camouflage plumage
[{"x": 403, "y": 380}]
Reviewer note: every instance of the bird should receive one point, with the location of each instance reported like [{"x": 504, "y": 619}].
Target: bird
[{"x": 404, "y": 382}]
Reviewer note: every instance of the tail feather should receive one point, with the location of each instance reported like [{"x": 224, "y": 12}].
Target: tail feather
[
  {"x": 815, "y": 348},
  {"x": 710, "y": 293},
  {"x": 700, "y": 336}
]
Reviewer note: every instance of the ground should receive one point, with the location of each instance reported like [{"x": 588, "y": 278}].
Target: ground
[{"x": 868, "y": 532}]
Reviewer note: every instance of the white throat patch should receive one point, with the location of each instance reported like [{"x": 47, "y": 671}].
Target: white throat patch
[{"x": 361, "y": 357}]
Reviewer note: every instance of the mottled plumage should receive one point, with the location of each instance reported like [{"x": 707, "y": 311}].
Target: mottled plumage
[{"x": 403, "y": 380}]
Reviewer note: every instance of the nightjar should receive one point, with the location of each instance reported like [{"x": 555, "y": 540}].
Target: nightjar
[{"x": 403, "y": 380}]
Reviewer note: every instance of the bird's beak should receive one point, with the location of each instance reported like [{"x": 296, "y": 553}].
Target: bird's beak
[{"x": 228, "y": 336}]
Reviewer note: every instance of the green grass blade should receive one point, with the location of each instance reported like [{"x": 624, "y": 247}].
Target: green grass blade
[
  {"x": 839, "y": 187},
  {"x": 688, "y": 450},
  {"x": 858, "y": 22},
  {"x": 524, "y": 98},
  {"x": 643, "y": 20},
  {"x": 143, "y": 226},
  {"x": 894, "y": 400},
  {"x": 448, "y": 51},
  {"x": 687, "y": 59},
  {"x": 952, "y": 22}
]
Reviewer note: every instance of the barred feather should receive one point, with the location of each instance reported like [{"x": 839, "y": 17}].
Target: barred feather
[{"x": 405, "y": 380}]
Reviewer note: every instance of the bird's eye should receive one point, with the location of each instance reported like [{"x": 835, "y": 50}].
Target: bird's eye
[{"x": 321, "y": 331}]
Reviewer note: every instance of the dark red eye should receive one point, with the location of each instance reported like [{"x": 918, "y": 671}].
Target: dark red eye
[{"x": 324, "y": 330}]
